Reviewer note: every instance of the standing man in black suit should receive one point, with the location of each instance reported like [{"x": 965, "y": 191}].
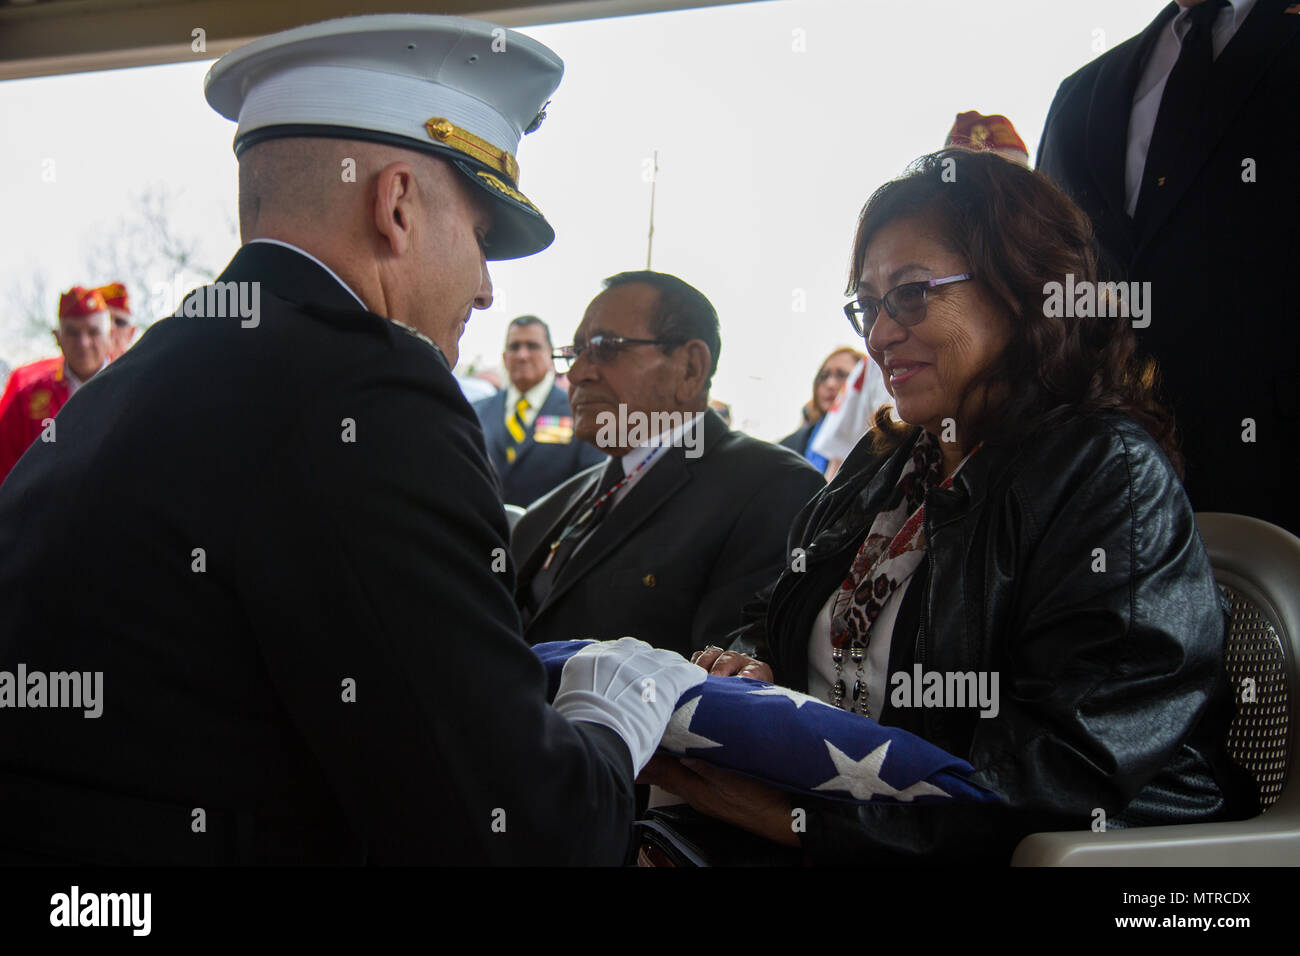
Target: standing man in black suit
[
  {"x": 669, "y": 539},
  {"x": 528, "y": 426},
  {"x": 294, "y": 629},
  {"x": 1181, "y": 145}
]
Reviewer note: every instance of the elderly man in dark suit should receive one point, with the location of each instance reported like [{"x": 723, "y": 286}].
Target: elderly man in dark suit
[
  {"x": 528, "y": 426},
  {"x": 1180, "y": 143},
  {"x": 299, "y": 606},
  {"x": 688, "y": 519}
]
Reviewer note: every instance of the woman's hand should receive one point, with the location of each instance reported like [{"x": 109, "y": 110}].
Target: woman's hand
[
  {"x": 729, "y": 797},
  {"x": 722, "y": 663}
]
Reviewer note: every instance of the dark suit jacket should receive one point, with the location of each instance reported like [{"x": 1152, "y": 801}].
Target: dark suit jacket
[
  {"x": 797, "y": 441},
  {"x": 539, "y": 465},
  {"x": 676, "y": 560},
  {"x": 1219, "y": 252},
  {"x": 327, "y": 564}
]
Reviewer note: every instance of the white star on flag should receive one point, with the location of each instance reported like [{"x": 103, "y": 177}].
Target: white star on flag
[
  {"x": 861, "y": 778},
  {"x": 798, "y": 698},
  {"x": 678, "y": 736}
]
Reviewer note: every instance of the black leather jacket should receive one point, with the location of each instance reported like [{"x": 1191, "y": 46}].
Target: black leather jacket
[{"x": 1113, "y": 694}]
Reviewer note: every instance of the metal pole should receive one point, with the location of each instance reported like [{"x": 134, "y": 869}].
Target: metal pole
[{"x": 650, "y": 237}]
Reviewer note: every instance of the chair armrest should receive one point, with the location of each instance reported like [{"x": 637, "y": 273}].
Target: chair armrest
[{"x": 1271, "y": 839}]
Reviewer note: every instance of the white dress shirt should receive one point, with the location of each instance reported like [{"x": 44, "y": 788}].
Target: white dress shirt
[
  {"x": 1151, "y": 86},
  {"x": 535, "y": 395},
  {"x": 642, "y": 453},
  {"x": 875, "y": 669},
  {"x": 630, "y": 462},
  {"x": 75, "y": 383},
  {"x": 304, "y": 252}
]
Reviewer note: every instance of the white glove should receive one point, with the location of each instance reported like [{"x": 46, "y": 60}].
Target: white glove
[{"x": 629, "y": 687}]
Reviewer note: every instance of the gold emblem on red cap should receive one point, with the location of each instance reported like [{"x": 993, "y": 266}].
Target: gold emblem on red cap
[
  {"x": 975, "y": 130},
  {"x": 115, "y": 296},
  {"x": 79, "y": 301},
  {"x": 463, "y": 141}
]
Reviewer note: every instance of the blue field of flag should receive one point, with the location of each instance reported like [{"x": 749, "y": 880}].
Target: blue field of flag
[{"x": 799, "y": 743}]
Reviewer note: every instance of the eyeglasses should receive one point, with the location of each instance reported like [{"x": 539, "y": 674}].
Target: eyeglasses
[
  {"x": 905, "y": 304},
  {"x": 601, "y": 349}
]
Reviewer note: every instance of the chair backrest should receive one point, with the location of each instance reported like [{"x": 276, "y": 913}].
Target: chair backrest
[{"x": 1257, "y": 566}]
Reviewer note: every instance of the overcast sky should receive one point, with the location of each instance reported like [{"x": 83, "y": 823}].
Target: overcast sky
[{"x": 774, "y": 122}]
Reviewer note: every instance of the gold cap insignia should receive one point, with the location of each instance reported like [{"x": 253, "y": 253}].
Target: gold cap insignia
[
  {"x": 499, "y": 186},
  {"x": 463, "y": 141},
  {"x": 440, "y": 129}
]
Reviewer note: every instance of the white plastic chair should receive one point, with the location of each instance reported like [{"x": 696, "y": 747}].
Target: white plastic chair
[{"x": 1258, "y": 567}]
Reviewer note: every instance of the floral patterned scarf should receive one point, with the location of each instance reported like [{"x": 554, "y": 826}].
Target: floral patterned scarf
[{"x": 891, "y": 553}]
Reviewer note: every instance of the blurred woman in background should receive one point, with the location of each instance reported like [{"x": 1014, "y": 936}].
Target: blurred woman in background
[{"x": 830, "y": 379}]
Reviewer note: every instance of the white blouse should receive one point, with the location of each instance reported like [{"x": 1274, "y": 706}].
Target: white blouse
[{"x": 821, "y": 669}]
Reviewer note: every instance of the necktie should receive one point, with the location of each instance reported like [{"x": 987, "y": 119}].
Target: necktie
[
  {"x": 515, "y": 426},
  {"x": 576, "y": 531},
  {"x": 1180, "y": 104}
]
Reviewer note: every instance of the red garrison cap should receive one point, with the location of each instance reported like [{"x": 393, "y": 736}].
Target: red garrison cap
[
  {"x": 115, "y": 297},
  {"x": 974, "y": 130},
  {"x": 79, "y": 301}
]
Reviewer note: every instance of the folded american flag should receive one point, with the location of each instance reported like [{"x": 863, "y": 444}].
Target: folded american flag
[{"x": 799, "y": 743}]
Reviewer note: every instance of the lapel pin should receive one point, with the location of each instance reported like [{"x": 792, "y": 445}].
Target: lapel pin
[{"x": 648, "y": 580}]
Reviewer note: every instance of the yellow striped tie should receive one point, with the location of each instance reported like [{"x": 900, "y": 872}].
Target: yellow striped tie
[{"x": 515, "y": 426}]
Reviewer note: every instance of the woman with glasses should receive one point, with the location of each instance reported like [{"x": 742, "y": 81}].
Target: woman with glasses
[
  {"x": 1024, "y": 524},
  {"x": 830, "y": 379}
]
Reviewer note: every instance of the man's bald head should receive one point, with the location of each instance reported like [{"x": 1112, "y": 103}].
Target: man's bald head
[
  {"x": 297, "y": 180},
  {"x": 404, "y": 229}
]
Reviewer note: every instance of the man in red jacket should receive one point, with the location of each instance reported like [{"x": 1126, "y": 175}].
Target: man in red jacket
[{"x": 37, "y": 391}]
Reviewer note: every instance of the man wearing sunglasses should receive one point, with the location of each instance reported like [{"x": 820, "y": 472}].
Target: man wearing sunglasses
[{"x": 669, "y": 539}]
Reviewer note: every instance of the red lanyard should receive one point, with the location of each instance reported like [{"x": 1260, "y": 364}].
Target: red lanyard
[{"x": 586, "y": 515}]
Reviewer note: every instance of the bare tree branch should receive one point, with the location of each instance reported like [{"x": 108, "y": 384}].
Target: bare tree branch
[{"x": 148, "y": 247}]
